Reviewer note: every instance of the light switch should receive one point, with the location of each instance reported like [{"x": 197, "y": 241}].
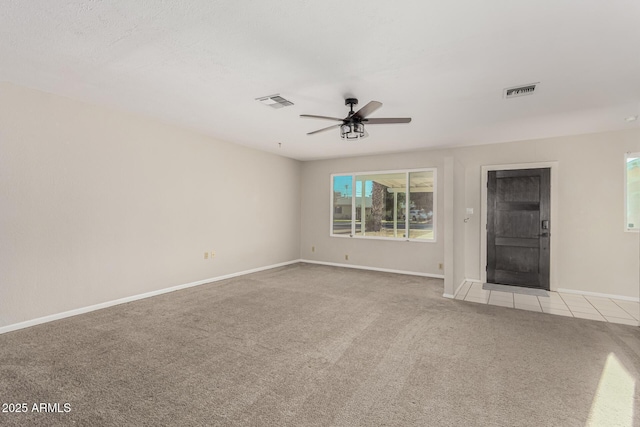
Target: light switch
[{"x": 469, "y": 211}]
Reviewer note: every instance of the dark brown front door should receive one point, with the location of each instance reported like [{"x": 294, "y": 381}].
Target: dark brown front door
[{"x": 518, "y": 228}]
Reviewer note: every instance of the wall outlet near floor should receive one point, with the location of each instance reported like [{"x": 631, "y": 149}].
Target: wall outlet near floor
[
  {"x": 346, "y": 257},
  {"x": 206, "y": 255},
  {"x": 440, "y": 266}
]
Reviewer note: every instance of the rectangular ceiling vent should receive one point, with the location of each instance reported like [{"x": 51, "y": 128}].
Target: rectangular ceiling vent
[
  {"x": 274, "y": 101},
  {"x": 513, "y": 92}
]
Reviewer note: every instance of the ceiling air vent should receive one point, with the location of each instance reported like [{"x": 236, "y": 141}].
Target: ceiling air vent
[
  {"x": 274, "y": 101},
  {"x": 512, "y": 92}
]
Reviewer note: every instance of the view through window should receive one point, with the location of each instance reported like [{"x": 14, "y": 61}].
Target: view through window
[
  {"x": 633, "y": 191},
  {"x": 390, "y": 205}
]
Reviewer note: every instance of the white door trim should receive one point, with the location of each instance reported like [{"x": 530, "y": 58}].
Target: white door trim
[{"x": 553, "y": 250}]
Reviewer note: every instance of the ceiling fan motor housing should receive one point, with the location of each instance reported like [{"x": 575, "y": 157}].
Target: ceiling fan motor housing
[{"x": 351, "y": 102}]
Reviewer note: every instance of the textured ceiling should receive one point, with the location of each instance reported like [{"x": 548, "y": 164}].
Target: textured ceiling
[{"x": 201, "y": 64}]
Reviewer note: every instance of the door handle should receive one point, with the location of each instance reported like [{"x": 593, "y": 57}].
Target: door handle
[{"x": 543, "y": 235}]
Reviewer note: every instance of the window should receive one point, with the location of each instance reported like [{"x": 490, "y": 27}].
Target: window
[
  {"x": 342, "y": 202},
  {"x": 397, "y": 205},
  {"x": 632, "y": 192}
]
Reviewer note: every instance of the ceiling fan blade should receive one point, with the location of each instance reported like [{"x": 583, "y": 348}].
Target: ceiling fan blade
[
  {"x": 367, "y": 109},
  {"x": 323, "y": 129},
  {"x": 379, "y": 121},
  {"x": 311, "y": 116}
]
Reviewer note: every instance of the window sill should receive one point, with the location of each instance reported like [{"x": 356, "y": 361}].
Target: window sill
[{"x": 388, "y": 239}]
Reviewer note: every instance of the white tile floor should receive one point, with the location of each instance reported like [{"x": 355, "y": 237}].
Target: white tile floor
[{"x": 572, "y": 305}]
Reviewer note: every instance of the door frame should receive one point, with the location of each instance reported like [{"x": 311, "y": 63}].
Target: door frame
[{"x": 555, "y": 232}]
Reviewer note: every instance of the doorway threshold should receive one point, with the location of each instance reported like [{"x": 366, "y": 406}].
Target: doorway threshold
[{"x": 515, "y": 289}]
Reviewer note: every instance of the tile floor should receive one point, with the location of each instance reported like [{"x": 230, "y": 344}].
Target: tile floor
[{"x": 563, "y": 304}]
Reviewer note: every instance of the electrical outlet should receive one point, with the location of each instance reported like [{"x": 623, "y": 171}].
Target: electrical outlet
[
  {"x": 440, "y": 266},
  {"x": 313, "y": 248},
  {"x": 213, "y": 254},
  {"x": 206, "y": 255},
  {"x": 346, "y": 257}
]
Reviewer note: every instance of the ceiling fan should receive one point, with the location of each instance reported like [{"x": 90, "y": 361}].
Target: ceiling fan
[{"x": 352, "y": 126}]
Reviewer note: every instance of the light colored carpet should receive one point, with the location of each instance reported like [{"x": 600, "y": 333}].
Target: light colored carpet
[{"x": 309, "y": 345}]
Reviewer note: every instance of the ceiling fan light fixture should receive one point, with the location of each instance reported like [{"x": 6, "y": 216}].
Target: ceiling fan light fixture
[{"x": 352, "y": 131}]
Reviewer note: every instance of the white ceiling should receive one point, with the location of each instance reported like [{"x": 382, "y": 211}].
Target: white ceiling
[{"x": 201, "y": 64}]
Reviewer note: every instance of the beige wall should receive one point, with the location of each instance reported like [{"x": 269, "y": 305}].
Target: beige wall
[
  {"x": 594, "y": 253},
  {"x": 97, "y": 205},
  {"x": 459, "y": 224}
]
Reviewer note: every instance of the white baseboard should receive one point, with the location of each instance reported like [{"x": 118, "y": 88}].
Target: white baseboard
[
  {"x": 448, "y": 296},
  {"x": 90, "y": 308},
  {"x": 596, "y": 294},
  {"x": 460, "y": 287},
  {"x": 364, "y": 267}
]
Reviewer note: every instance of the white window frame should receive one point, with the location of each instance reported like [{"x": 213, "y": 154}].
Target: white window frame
[
  {"x": 353, "y": 235},
  {"x": 627, "y": 155}
]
